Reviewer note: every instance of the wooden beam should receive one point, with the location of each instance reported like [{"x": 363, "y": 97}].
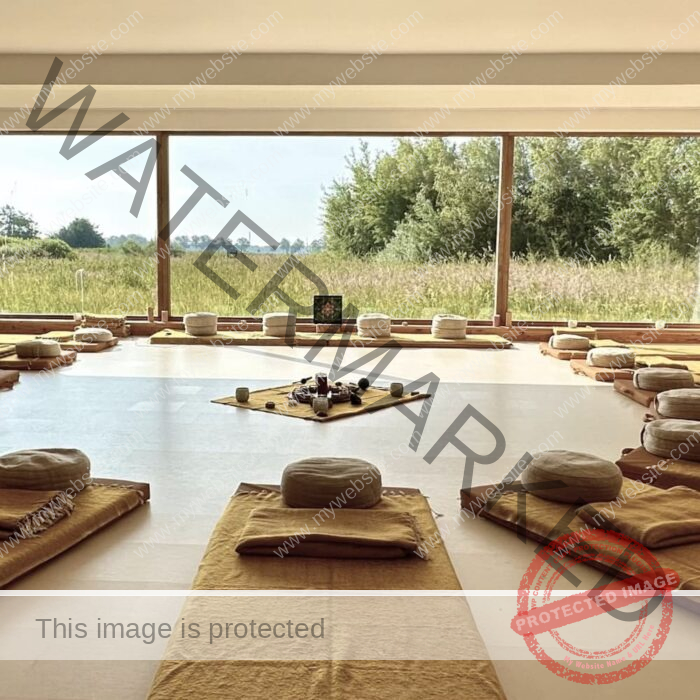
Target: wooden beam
[
  {"x": 163, "y": 240},
  {"x": 505, "y": 220}
]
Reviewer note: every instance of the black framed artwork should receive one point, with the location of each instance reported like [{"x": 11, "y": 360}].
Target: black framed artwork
[{"x": 328, "y": 309}]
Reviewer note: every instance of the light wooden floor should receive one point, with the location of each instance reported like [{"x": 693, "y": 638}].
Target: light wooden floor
[{"x": 144, "y": 413}]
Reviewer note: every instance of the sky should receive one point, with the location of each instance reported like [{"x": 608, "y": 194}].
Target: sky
[{"x": 276, "y": 181}]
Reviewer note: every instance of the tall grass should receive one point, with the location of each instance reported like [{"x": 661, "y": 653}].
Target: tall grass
[{"x": 637, "y": 290}]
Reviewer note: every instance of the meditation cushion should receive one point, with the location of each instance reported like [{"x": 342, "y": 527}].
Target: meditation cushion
[
  {"x": 93, "y": 335},
  {"x": 41, "y": 347},
  {"x": 44, "y": 470},
  {"x": 567, "y": 341},
  {"x": 662, "y": 379},
  {"x": 279, "y": 324},
  {"x": 449, "y": 326},
  {"x": 679, "y": 403},
  {"x": 584, "y": 477},
  {"x": 201, "y": 323},
  {"x": 612, "y": 358},
  {"x": 374, "y": 325},
  {"x": 682, "y": 437},
  {"x": 316, "y": 481}
]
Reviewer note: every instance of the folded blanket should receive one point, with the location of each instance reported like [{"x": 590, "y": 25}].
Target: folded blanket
[
  {"x": 29, "y": 513},
  {"x": 344, "y": 534},
  {"x": 656, "y": 519}
]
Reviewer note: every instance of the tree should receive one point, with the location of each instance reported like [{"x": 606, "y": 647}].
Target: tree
[
  {"x": 17, "y": 224},
  {"x": 285, "y": 245},
  {"x": 81, "y": 233},
  {"x": 242, "y": 244},
  {"x": 298, "y": 246},
  {"x": 317, "y": 245},
  {"x": 580, "y": 198},
  {"x": 200, "y": 242},
  {"x": 184, "y": 242}
]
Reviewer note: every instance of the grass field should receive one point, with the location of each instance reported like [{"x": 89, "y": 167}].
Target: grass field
[{"x": 118, "y": 283}]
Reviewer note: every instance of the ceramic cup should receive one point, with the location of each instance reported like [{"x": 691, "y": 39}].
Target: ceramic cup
[
  {"x": 242, "y": 394},
  {"x": 321, "y": 405},
  {"x": 396, "y": 389}
]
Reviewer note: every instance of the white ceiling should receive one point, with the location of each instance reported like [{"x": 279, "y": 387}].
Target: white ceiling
[{"x": 454, "y": 26}]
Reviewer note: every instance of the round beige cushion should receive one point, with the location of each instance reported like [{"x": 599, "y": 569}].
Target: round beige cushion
[
  {"x": 613, "y": 358},
  {"x": 679, "y": 403},
  {"x": 585, "y": 477},
  {"x": 568, "y": 341},
  {"x": 449, "y": 322},
  {"x": 316, "y": 481},
  {"x": 682, "y": 437},
  {"x": 41, "y": 347},
  {"x": 448, "y": 326},
  {"x": 201, "y": 323},
  {"x": 93, "y": 335},
  {"x": 279, "y": 324},
  {"x": 374, "y": 324},
  {"x": 663, "y": 379},
  {"x": 44, "y": 470}
]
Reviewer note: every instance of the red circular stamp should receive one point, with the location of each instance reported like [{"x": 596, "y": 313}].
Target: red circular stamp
[{"x": 637, "y": 609}]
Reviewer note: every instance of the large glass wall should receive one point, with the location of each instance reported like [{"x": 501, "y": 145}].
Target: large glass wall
[
  {"x": 605, "y": 229},
  {"x": 402, "y": 226},
  {"x": 69, "y": 244}
]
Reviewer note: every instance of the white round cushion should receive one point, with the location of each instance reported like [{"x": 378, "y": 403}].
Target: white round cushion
[
  {"x": 40, "y": 347},
  {"x": 93, "y": 335},
  {"x": 44, "y": 470},
  {"x": 568, "y": 341},
  {"x": 612, "y": 358},
  {"x": 663, "y": 379},
  {"x": 376, "y": 324},
  {"x": 279, "y": 318},
  {"x": 449, "y": 322},
  {"x": 201, "y": 318},
  {"x": 201, "y": 323},
  {"x": 316, "y": 481},
  {"x": 682, "y": 437},
  {"x": 584, "y": 477},
  {"x": 679, "y": 403}
]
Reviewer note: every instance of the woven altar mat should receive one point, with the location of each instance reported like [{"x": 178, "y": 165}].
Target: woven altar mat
[
  {"x": 627, "y": 388},
  {"x": 640, "y": 465},
  {"x": 542, "y": 520},
  {"x": 373, "y": 399},
  {"x": 222, "y": 568},
  {"x": 96, "y": 506},
  {"x": 600, "y": 374}
]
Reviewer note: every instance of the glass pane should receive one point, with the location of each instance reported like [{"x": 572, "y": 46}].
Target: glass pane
[
  {"x": 402, "y": 226},
  {"x": 606, "y": 229},
  {"x": 69, "y": 244}
]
